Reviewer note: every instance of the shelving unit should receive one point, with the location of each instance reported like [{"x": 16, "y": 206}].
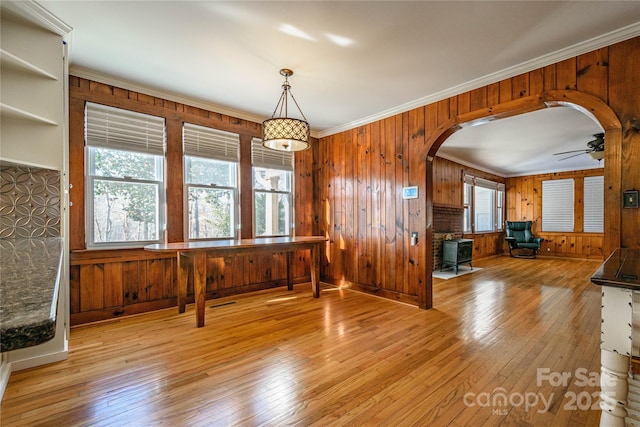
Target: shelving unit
[
  {"x": 32, "y": 107},
  {"x": 34, "y": 113}
]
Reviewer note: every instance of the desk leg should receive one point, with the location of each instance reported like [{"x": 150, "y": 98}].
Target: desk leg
[
  {"x": 199, "y": 284},
  {"x": 183, "y": 275},
  {"x": 315, "y": 271},
  {"x": 289, "y": 275}
]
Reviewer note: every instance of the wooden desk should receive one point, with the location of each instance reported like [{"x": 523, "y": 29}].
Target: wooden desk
[{"x": 193, "y": 256}]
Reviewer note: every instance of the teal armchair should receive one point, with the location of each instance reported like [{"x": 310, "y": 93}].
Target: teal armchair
[{"x": 522, "y": 242}]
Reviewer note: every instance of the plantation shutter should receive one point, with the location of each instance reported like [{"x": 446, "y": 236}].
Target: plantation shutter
[
  {"x": 212, "y": 143},
  {"x": 267, "y": 158},
  {"x": 557, "y": 205},
  {"x": 594, "y": 204},
  {"x": 119, "y": 129}
]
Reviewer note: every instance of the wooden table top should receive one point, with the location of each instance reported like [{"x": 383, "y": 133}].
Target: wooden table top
[
  {"x": 236, "y": 243},
  {"x": 620, "y": 270}
]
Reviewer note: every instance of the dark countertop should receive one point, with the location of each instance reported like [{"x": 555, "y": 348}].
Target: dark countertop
[
  {"x": 620, "y": 270},
  {"x": 29, "y": 286}
]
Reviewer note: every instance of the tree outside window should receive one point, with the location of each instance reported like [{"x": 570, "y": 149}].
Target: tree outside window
[
  {"x": 125, "y": 198},
  {"x": 211, "y": 194}
]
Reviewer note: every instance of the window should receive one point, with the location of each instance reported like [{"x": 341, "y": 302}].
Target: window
[
  {"x": 483, "y": 205},
  {"x": 272, "y": 192},
  {"x": 594, "y": 204},
  {"x": 468, "y": 191},
  {"x": 211, "y": 159},
  {"x": 557, "y": 205},
  {"x": 125, "y": 177}
]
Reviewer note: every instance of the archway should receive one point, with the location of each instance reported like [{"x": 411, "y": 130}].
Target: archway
[{"x": 583, "y": 102}]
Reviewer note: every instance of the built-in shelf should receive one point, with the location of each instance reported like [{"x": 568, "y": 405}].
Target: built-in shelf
[
  {"x": 11, "y": 60},
  {"x": 11, "y": 111}
]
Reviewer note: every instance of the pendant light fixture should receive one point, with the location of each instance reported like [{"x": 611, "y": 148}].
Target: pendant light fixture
[{"x": 283, "y": 133}]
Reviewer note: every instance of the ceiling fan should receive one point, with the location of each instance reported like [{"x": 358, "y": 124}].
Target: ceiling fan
[{"x": 595, "y": 149}]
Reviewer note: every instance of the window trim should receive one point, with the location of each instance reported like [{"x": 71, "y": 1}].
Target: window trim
[
  {"x": 109, "y": 127},
  {"x": 272, "y": 192},
  {"x": 266, "y": 158},
  {"x": 91, "y": 177},
  {"x": 235, "y": 215},
  {"x": 204, "y": 142}
]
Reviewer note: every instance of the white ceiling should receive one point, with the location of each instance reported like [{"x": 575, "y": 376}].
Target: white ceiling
[
  {"x": 525, "y": 144},
  {"x": 354, "y": 62}
]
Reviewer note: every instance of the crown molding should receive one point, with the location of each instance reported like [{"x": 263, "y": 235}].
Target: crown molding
[
  {"x": 33, "y": 12},
  {"x": 616, "y": 36}
]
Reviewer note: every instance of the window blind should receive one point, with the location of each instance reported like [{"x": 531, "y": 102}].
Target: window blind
[
  {"x": 110, "y": 127},
  {"x": 212, "y": 143},
  {"x": 557, "y": 205},
  {"x": 485, "y": 183},
  {"x": 480, "y": 182},
  {"x": 267, "y": 158},
  {"x": 594, "y": 204}
]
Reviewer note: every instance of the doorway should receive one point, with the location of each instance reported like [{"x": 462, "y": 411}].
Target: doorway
[{"x": 587, "y": 106}]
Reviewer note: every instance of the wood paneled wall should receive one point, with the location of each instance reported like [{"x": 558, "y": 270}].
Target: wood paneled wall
[
  {"x": 108, "y": 283},
  {"x": 361, "y": 171},
  {"x": 524, "y": 203},
  {"x": 448, "y": 190},
  {"x": 447, "y": 181},
  {"x": 348, "y": 186}
]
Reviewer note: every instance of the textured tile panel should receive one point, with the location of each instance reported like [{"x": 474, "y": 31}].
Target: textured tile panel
[{"x": 29, "y": 202}]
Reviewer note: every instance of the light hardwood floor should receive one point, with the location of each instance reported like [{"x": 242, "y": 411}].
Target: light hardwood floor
[{"x": 283, "y": 358}]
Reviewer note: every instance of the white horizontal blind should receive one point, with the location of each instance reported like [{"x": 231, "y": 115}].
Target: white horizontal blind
[
  {"x": 594, "y": 204},
  {"x": 557, "y": 205},
  {"x": 267, "y": 158},
  {"x": 211, "y": 143},
  {"x": 481, "y": 182},
  {"x": 110, "y": 127}
]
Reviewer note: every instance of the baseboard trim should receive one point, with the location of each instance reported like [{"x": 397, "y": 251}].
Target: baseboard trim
[{"x": 44, "y": 359}]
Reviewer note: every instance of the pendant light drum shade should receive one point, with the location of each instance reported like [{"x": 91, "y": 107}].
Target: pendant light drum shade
[{"x": 285, "y": 133}]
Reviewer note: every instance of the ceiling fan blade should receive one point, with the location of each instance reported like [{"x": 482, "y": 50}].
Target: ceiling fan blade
[
  {"x": 573, "y": 151},
  {"x": 575, "y": 155}
]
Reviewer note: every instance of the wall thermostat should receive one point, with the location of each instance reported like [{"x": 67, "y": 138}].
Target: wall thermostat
[{"x": 410, "y": 192}]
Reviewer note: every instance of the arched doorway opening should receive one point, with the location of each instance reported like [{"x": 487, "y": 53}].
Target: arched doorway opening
[{"x": 585, "y": 103}]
